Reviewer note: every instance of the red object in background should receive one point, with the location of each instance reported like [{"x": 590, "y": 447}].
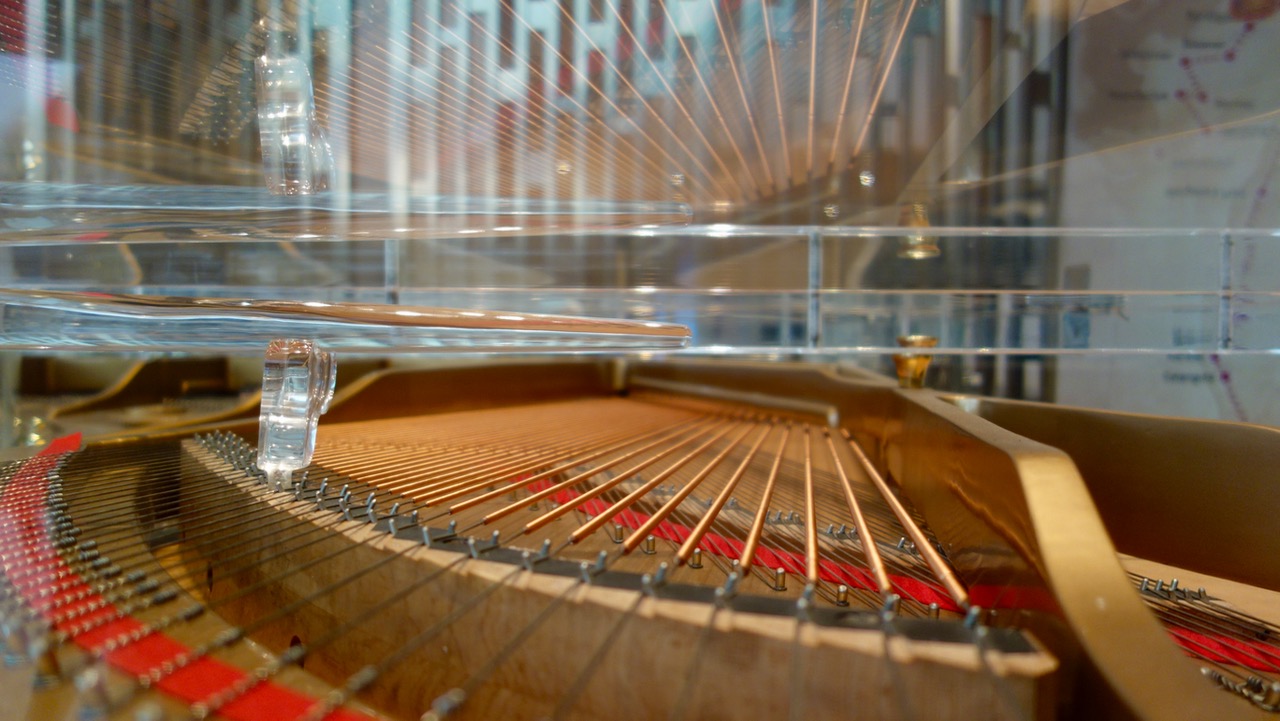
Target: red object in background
[
  {"x": 1250, "y": 10},
  {"x": 626, "y": 47},
  {"x": 564, "y": 79},
  {"x": 13, "y": 30},
  {"x": 56, "y": 591},
  {"x": 655, "y": 34},
  {"x": 595, "y": 65},
  {"x": 59, "y": 112}
]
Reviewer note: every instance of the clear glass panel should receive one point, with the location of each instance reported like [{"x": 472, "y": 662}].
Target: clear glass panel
[
  {"x": 1027, "y": 180},
  {"x": 62, "y": 320},
  {"x": 751, "y": 289},
  {"x": 1001, "y": 112}
]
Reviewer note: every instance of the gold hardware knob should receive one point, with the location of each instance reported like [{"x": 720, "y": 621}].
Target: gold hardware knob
[
  {"x": 912, "y": 367},
  {"x": 917, "y": 247}
]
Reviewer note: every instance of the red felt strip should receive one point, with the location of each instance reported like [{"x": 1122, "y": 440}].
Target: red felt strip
[
  {"x": 1214, "y": 647},
  {"x": 22, "y": 518},
  {"x": 766, "y": 556},
  {"x": 1224, "y": 649}
]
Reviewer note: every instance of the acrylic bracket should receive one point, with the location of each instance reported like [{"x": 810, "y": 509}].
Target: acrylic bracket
[
  {"x": 296, "y": 157},
  {"x": 298, "y": 380}
]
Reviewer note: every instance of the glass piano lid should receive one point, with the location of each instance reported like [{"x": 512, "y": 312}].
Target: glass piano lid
[
  {"x": 36, "y": 213},
  {"x": 1097, "y": 176},
  {"x": 53, "y": 320},
  {"x": 744, "y": 290},
  {"x": 1094, "y": 113}
]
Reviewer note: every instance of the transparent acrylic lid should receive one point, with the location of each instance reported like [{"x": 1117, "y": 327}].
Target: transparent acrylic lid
[
  {"x": 1074, "y": 113},
  {"x": 740, "y": 289},
  {"x": 43, "y": 212},
  {"x": 1032, "y": 183},
  {"x": 64, "y": 320}
]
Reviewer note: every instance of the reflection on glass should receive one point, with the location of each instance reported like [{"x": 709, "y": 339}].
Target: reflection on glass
[
  {"x": 1096, "y": 176},
  {"x": 296, "y": 158}
]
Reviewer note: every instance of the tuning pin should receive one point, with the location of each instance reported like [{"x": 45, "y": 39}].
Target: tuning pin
[
  {"x": 446, "y": 703},
  {"x": 653, "y": 582},
  {"x": 1269, "y": 696},
  {"x": 804, "y": 604},
  {"x": 695, "y": 560},
  {"x": 728, "y": 590},
  {"x": 973, "y": 617},
  {"x": 890, "y": 607},
  {"x": 660, "y": 577},
  {"x": 391, "y": 518}
]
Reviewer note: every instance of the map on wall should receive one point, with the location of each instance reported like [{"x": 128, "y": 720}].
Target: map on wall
[{"x": 1174, "y": 122}]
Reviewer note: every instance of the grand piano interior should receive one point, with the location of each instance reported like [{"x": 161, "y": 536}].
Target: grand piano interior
[{"x": 684, "y": 359}]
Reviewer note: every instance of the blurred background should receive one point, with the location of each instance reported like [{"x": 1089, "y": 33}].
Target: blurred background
[{"x": 1076, "y": 198}]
